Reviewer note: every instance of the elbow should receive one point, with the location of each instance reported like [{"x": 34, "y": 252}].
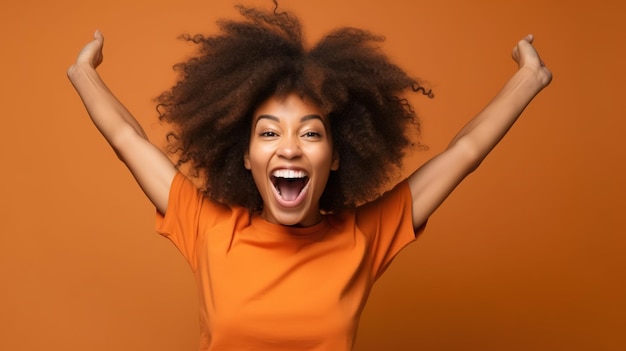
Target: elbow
[
  {"x": 470, "y": 156},
  {"x": 124, "y": 140}
]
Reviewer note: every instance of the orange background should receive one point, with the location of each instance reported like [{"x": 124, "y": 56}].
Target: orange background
[{"x": 528, "y": 253}]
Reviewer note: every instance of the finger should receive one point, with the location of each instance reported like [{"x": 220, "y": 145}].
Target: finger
[
  {"x": 522, "y": 45},
  {"x": 515, "y": 53},
  {"x": 98, "y": 37},
  {"x": 529, "y": 38}
]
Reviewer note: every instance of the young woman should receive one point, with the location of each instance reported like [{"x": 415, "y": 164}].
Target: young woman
[{"x": 288, "y": 231}]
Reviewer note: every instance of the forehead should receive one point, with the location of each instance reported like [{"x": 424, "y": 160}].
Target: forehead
[{"x": 287, "y": 107}]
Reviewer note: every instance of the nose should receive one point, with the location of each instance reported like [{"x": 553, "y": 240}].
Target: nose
[{"x": 289, "y": 147}]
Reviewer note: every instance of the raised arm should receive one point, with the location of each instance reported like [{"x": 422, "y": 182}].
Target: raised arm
[
  {"x": 150, "y": 167},
  {"x": 436, "y": 179}
]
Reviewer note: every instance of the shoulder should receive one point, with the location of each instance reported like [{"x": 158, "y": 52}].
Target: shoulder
[
  {"x": 395, "y": 200},
  {"x": 187, "y": 202},
  {"x": 384, "y": 213}
]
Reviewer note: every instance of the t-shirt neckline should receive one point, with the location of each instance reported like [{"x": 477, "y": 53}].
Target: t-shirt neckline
[{"x": 260, "y": 224}]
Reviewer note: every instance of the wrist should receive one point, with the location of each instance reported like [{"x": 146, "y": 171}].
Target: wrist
[
  {"x": 77, "y": 71},
  {"x": 535, "y": 77}
]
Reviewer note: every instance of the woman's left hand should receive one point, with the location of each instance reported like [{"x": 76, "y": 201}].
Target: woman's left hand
[{"x": 527, "y": 57}]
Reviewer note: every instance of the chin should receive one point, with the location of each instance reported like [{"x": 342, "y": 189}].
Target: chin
[
  {"x": 290, "y": 220},
  {"x": 296, "y": 219}
]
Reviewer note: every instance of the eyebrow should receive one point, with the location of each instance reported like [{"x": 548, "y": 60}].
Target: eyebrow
[{"x": 303, "y": 119}]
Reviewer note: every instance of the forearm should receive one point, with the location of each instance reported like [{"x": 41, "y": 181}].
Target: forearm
[
  {"x": 485, "y": 130},
  {"x": 107, "y": 113}
]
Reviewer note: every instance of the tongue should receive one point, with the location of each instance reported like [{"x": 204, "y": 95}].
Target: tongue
[{"x": 290, "y": 188}]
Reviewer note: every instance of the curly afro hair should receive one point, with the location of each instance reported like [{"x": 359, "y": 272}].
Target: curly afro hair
[{"x": 210, "y": 107}]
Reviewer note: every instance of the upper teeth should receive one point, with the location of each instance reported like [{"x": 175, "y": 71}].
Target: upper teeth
[{"x": 288, "y": 173}]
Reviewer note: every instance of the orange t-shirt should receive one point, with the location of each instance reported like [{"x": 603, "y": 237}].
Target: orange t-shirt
[{"x": 269, "y": 287}]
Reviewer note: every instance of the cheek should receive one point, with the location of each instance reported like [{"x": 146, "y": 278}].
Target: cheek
[
  {"x": 257, "y": 166},
  {"x": 254, "y": 156},
  {"x": 246, "y": 161},
  {"x": 324, "y": 156}
]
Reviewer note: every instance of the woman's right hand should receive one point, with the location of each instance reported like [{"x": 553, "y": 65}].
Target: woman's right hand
[{"x": 91, "y": 54}]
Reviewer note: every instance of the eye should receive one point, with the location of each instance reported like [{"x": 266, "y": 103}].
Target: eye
[
  {"x": 268, "y": 134},
  {"x": 312, "y": 134}
]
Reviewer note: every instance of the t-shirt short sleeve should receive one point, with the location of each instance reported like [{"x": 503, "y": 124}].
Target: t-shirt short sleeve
[
  {"x": 388, "y": 224},
  {"x": 186, "y": 216}
]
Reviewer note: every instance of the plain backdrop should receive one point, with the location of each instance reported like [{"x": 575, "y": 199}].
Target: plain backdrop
[{"x": 527, "y": 254}]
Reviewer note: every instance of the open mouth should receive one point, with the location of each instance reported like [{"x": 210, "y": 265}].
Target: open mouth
[{"x": 289, "y": 183}]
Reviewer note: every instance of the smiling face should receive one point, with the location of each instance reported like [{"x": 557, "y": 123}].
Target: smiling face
[{"x": 290, "y": 157}]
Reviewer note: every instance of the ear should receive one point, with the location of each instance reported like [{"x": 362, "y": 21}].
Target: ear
[
  {"x": 246, "y": 160},
  {"x": 335, "y": 162}
]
